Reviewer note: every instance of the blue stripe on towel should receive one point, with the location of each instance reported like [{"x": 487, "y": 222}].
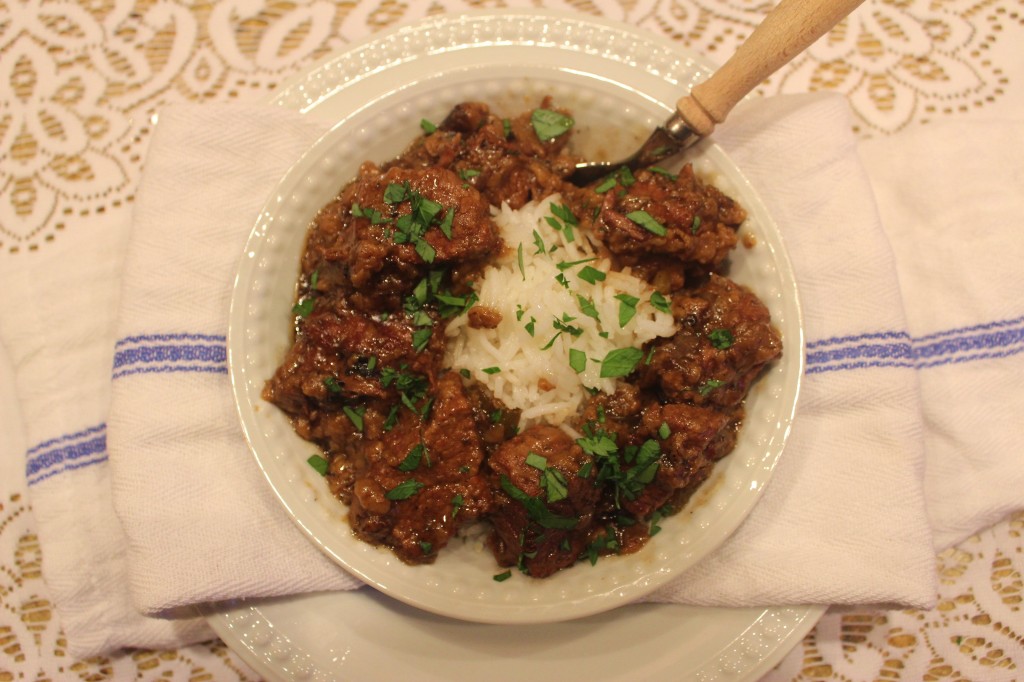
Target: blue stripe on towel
[
  {"x": 66, "y": 453},
  {"x": 167, "y": 353},
  {"x": 991, "y": 340}
]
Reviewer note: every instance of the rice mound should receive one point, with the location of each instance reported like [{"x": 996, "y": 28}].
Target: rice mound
[{"x": 530, "y": 372}]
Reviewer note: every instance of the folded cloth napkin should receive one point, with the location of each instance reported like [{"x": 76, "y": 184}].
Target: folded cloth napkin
[{"x": 843, "y": 520}]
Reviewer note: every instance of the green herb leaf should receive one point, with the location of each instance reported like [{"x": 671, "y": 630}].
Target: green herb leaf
[
  {"x": 554, "y": 484},
  {"x": 421, "y": 337},
  {"x": 425, "y": 546},
  {"x": 660, "y": 303},
  {"x": 425, "y": 250},
  {"x": 661, "y": 171},
  {"x": 536, "y": 461},
  {"x": 502, "y": 577},
  {"x": 564, "y": 265},
  {"x": 620, "y": 362},
  {"x": 664, "y": 431},
  {"x": 536, "y": 509},
  {"x": 720, "y": 338},
  {"x": 304, "y": 307},
  {"x": 606, "y": 185},
  {"x": 332, "y": 385},
  {"x": 647, "y": 221},
  {"x": 355, "y": 415},
  {"x": 587, "y": 307},
  {"x": 404, "y": 490},
  {"x": 591, "y": 275},
  {"x": 396, "y": 193},
  {"x": 519, "y": 259},
  {"x": 491, "y": 370},
  {"x": 696, "y": 225},
  {"x": 549, "y": 124},
  {"x": 427, "y": 126},
  {"x": 710, "y": 385},
  {"x": 392, "y": 419},
  {"x": 577, "y": 360},
  {"x": 446, "y": 224},
  {"x": 318, "y": 463},
  {"x": 627, "y": 308},
  {"x": 412, "y": 460}
]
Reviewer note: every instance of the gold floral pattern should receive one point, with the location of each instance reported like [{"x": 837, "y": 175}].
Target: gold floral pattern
[
  {"x": 81, "y": 81},
  {"x": 86, "y": 77}
]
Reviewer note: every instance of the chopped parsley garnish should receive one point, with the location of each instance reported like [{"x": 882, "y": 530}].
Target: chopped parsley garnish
[
  {"x": 664, "y": 431},
  {"x": 491, "y": 370},
  {"x": 627, "y": 308},
  {"x": 629, "y": 470},
  {"x": 412, "y": 388},
  {"x": 562, "y": 219},
  {"x": 502, "y": 577},
  {"x": 620, "y": 362},
  {"x": 421, "y": 337},
  {"x": 549, "y": 124},
  {"x": 647, "y": 221},
  {"x": 457, "y": 503},
  {"x": 710, "y": 385},
  {"x": 538, "y": 241},
  {"x": 577, "y": 360},
  {"x": 410, "y": 228},
  {"x": 591, "y": 275},
  {"x": 446, "y": 224},
  {"x": 425, "y": 546},
  {"x": 355, "y": 415},
  {"x": 530, "y": 326},
  {"x": 404, "y": 490},
  {"x": 413, "y": 458},
  {"x": 602, "y": 544},
  {"x": 587, "y": 307},
  {"x": 661, "y": 171},
  {"x": 565, "y": 265},
  {"x": 427, "y": 126},
  {"x": 536, "y": 509},
  {"x": 318, "y": 463},
  {"x": 304, "y": 307},
  {"x": 519, "y": 260},
  {"x": 660, "y": 303},
  {"x": 375, "y": 217},
  {"x": 721, "y": 338}
]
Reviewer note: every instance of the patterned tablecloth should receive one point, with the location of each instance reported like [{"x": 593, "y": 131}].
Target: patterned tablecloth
[{"x": 81, "y": 80}]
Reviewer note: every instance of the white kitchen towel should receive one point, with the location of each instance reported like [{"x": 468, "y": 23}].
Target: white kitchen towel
[
  {"x": 951, "y": 196},
  {"x": 843, "y": 520}
]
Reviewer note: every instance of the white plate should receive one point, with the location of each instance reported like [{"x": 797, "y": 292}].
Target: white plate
[
  {"x": 377, "y": 93},
  {"x": 366, "y": 637}
]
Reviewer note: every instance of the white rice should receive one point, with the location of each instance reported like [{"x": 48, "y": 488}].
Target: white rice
[{"x": 540, "y": 381}]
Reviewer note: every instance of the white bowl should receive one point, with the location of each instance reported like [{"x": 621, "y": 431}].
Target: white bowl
[{"x": 616, "y": 101}]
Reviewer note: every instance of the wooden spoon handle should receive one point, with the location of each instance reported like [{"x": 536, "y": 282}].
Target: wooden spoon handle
[{"x": 787, "y": 31}]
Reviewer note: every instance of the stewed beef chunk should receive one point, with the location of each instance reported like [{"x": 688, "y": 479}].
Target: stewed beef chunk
[{"x": 542, "y": 515}]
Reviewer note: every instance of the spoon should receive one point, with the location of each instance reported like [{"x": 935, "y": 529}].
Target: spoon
[{"x": 785, "y": 32}]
